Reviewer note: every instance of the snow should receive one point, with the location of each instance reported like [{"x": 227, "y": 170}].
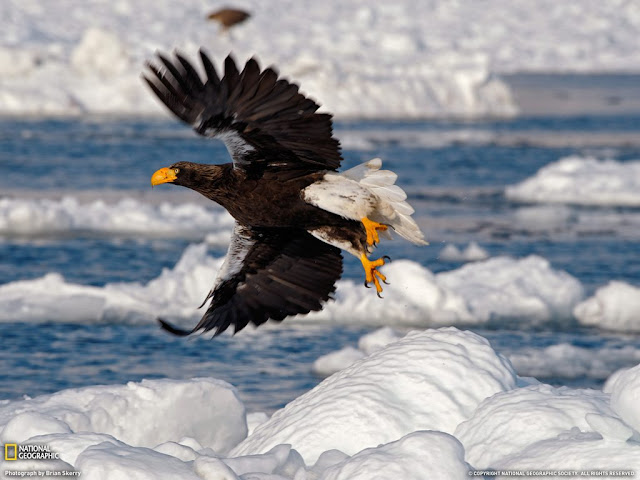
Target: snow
[
  {"x": 616, "y": 306},
  {"x": 48, "y": 217},
  {"x": 582, "y": 181},
  {"x": 429, "y": 365},
  {"x": 555, "y": 428},
  {"x": 566, "y": 361},
  {"x": 503, "y": 288},
  {"x": 409, "y": 458},
  {"x": 141, "y": 414},
  {"x": 561, "y": 360},
  {"x": 335, "y": 361},
  {"x": 624, "y": 388},
  {"x": 471, "y": 253},
  {"x": 408, "y": 59},
  {"x": 437, "y": 401},
  {"x": 371, "y": 342},
  {"x": 528, "y": 290},
  {"x": 176, "y": 292},
  {"x": 492, "y": 292}
]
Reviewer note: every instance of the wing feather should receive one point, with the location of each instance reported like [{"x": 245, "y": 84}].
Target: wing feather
[
  {"x": 269, "y": 274},
  {"x": 277, "y": 125}
]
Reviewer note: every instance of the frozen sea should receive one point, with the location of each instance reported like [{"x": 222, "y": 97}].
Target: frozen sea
[{"x": 80, "y": 226}]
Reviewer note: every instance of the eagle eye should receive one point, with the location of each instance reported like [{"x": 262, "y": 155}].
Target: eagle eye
[{"x": 176, "y": 170}]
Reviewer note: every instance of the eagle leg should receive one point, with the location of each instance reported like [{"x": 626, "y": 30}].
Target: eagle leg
[
  {"x": 372, "y": 274},
  {"x": 372, "y": 228}
]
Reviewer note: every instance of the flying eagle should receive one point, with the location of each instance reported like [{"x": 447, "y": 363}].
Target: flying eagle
[
  {"x": 228, "y": 17},
  {"x": 293, "y": 211}
]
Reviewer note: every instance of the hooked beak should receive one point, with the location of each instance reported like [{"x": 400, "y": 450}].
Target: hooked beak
[{"x": 164, "y": 175}]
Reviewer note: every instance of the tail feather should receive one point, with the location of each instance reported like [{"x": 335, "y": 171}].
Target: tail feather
[{"x": 393, "y": 209}]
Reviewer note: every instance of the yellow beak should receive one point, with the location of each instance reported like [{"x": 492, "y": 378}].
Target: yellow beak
[{"x": 164, "y": 175}]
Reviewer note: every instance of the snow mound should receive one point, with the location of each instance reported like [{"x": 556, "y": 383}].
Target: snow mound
[
  {"x": 515, "y": 429},
  {"x": 615, "y": 306},
  {"x": 472, "y": 253},
  {"x": 140, "y": 414},
  {"x": 491, "y": 292},
  {"x": 176, "y": 292},
  {"x": 582, "y": 181},
  {"x": 30, "y": 217},
  {"x": 438, "y": 401},
  {"x": 438, "y": 453},
  {"x": 624, "y": 388},
  {"x": 501, "y": 288},
  {"x": 383, "y": 397},
  {"x": 557, "y": 361}
]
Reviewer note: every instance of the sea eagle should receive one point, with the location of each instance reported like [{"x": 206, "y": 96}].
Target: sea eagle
[
  {"x": 229, "y": 17},
  {"x": 293, "y": 211}
]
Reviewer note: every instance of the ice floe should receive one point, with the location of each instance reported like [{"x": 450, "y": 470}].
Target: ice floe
[
  {"x": 493, "y": 292},
  {"x": 359, "y": 59},
  {"x": 558, "y": 361},
  {"x": 616, "y": 306},
  {"x": 582, "y": 181},
  {"x": 48, "y": 217},
  {"x": 435, "y": 402},
  {"x": 471, "y": 253},
  {"x": 496, "y": 290}
]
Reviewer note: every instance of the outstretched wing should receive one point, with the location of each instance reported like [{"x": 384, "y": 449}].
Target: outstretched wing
[
  {"x": 264, "y": 121},
  {"x": 269, "y": 274}
]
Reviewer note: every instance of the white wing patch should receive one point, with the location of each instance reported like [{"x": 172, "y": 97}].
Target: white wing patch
[
  {"x": 236, "y": 145},
  {"x": 239, "y": 247},
  {"x": 366, "y": 191}
]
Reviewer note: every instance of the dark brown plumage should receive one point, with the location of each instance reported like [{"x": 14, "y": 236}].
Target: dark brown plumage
[
  {"x": 294, "y": 214},
  {"x": 228, "y": 17},
  {"x": 279, "y": 145}
]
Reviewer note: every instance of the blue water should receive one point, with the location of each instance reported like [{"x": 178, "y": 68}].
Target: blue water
[{"x": 456, "y": 188}]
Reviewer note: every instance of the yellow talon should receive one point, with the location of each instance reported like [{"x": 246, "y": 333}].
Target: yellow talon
[
  {"x": 371, "y": 274},
  {"x": 372, "y": 227}
]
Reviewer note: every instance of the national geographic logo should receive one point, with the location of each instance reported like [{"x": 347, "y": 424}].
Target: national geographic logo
[{"x": 14, "y": 452}]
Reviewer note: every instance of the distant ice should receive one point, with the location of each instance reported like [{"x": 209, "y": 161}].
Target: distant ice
[
  {"x": 492, "y": 292},
  {"x": 175, "y": 293},
  {"x": 489, "y": 292},
  {"x": 471, "y": 253},
  {"x": 616, "y": 306},
  {"x": 441, "y": 402},
  {"x": 569, "y": 361},
  {"x": 43, "y": 217},
  {"x": 559, "y": 361},
  {"x": 582, "y": 181}
]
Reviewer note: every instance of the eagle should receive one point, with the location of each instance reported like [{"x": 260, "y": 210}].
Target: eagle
[
  {"x": 294, "y": 212},
  {"x": 228, "y": 17}
]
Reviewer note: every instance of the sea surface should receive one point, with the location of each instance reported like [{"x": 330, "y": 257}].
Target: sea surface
[{"x": 455, "y": 173}]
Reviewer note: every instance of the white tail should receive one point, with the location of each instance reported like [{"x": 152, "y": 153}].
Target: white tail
[{"x": 392, "y": 209}]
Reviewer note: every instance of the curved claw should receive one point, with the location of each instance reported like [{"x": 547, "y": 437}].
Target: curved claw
[
  {"x": 372, "y": 275},
  {"x": 387, "y": 258},
  {"x": 378, "y": 294}
]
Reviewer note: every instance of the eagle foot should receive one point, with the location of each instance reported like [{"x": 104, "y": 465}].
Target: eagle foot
[
  {"x": 372, "y": 275},
  {"x": 372, "y": 228}
]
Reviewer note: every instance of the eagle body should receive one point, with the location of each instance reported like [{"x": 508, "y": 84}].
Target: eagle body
[
  {"x": 294, "y": 212},
  {"x": 243, "y": 197}
]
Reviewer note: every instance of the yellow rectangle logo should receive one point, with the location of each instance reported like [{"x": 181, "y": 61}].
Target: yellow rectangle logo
[{"x": 7, "y": 454}]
